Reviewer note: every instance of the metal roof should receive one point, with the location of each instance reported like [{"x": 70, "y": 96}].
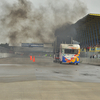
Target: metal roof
[
  {"x": 87, "y": 18},
  {"x": 94, "y": 14}
]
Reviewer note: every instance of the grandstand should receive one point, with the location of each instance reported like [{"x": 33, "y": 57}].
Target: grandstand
[{"x": 88, "y": 32}]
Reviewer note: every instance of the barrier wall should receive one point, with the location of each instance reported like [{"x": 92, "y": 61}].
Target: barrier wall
[
  {"x": 4, "y": 55},
  {"x": 94, "y": 61}
]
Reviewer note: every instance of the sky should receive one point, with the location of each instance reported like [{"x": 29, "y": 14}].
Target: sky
[{"x": 93, "y": 6}]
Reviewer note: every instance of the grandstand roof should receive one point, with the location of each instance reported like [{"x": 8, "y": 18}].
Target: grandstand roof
[
  {"x": 87, "y": 18},
  {"x": 93, "y": 14}
]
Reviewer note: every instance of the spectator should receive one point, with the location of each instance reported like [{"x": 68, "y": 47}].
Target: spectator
[{"x": 93, "y": 56}]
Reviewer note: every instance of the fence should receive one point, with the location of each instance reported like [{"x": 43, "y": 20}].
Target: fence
[{"x": 88, "y": 54}]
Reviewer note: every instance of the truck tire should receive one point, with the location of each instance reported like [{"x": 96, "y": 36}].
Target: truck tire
[
  {"x": 76, "y": 63},
  {"x": 60, "y": 62}
]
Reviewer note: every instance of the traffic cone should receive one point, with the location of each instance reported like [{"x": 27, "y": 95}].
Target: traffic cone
[
  {"x": 34, "y": 59},
  {"x": 30, "y": 57}
]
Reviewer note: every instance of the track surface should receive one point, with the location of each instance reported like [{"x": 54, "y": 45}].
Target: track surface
[
  {"x": 22, "y": 79},
  {"x": 45, "y": 69}
]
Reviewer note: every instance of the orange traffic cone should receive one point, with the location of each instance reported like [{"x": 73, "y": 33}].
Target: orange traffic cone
[
  {"x": 30, "y": 57},
  {"x": 34, "y": 59}
]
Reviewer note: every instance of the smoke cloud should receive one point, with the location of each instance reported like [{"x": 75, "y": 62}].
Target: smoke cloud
[{"x": 21, "y": 22}]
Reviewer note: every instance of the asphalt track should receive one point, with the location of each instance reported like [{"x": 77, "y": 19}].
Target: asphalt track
[
  {"x": 22, "y": 69},
  {"x": 22, "y": 79}
]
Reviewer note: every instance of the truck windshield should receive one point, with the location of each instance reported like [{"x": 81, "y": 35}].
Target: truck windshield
[{"x": 71, "y": 51}]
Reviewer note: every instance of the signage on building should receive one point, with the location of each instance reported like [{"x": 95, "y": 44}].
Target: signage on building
[
  {"x": 98, "y": 48},
  {"x": 36, "y": 45},
  {"x": 32, "y": 45}
]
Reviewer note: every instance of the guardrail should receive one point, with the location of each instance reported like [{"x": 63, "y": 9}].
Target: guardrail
[{"x": 94, "y": 61}]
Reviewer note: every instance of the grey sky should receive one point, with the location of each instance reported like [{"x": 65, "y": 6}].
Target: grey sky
[{"x": 93, "y": 6}]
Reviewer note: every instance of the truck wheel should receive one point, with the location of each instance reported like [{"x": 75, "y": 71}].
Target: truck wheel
[
  {"x": 76, "y": 63},
  {"x": 54, "y": 61},
  {"x": 60, "y": 62}
]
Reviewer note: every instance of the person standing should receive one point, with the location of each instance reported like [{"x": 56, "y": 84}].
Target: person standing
[{"x": 93, "y": 56}]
